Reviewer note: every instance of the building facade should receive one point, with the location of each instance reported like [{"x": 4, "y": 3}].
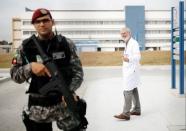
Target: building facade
[{"x": 99, "y": 30}]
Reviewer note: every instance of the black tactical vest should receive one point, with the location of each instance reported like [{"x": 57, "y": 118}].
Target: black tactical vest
[{"x": 58, "y": 49}]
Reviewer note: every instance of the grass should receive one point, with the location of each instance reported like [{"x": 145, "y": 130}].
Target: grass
[
  {"x": 5, "y": 60},
  {"x": 156, "y": 58},
  {"x": 115, "y": 58},
  {"x": 101, "y": 58},
  {"x": 108, "y": 58}
]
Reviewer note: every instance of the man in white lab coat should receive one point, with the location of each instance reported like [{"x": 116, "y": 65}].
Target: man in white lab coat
[{"x": 131, "y": 81}]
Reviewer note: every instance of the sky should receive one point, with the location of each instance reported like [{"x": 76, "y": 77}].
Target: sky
[{"x": 14, "y": 8}]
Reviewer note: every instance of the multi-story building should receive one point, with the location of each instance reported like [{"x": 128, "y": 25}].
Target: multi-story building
[
  {"x": 99, "y": 30},
  {"x": 17, "y": 33}
]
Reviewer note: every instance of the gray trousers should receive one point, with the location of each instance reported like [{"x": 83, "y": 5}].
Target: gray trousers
[{"x": 129, "y": 97}]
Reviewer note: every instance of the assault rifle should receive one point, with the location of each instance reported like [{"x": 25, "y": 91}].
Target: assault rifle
[{"x": 58, "y": 85}]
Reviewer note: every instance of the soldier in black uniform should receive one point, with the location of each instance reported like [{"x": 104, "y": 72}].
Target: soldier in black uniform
[{"x": 27, "y": 66}]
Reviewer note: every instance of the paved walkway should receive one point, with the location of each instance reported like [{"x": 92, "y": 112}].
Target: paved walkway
[
  {"x": 4, "y": 74},
  {"x": 163, "y": 109}
]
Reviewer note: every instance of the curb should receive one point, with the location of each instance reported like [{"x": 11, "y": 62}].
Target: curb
[{"x": 4, "y": 79}]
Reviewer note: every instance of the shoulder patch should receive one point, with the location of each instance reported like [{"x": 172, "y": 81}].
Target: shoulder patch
[
  {"x": 14, "y": 61},
  {"x": 17, "y": 57}
]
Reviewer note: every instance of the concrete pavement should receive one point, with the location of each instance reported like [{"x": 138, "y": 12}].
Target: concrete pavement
[
  {"x": 4, "y": 74},
  {"x": 163, "y": 109}
]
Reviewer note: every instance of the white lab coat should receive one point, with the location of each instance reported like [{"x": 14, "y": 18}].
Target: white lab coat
[{"x": 130, "y": 69}]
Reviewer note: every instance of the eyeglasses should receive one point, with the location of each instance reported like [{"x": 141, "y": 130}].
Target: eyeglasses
[{"x": 44, "y": 21}]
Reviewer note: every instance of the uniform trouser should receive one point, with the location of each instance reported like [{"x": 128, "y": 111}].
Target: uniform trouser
[
  {"x": 34, "y": 126},
  {"x": 31, "y": 125},
  {"x": 129, "y": 97}
]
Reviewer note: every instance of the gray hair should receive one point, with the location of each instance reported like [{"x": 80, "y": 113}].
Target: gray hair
[{"x": 125, "y": 29}]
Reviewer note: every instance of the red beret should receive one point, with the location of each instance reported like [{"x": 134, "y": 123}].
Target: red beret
[{"x": 39, "y": 13}]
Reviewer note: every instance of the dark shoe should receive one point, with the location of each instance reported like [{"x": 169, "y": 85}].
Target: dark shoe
[
  {"x": 123, "y": 117},
  {"x": 135, "y": 113}
]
